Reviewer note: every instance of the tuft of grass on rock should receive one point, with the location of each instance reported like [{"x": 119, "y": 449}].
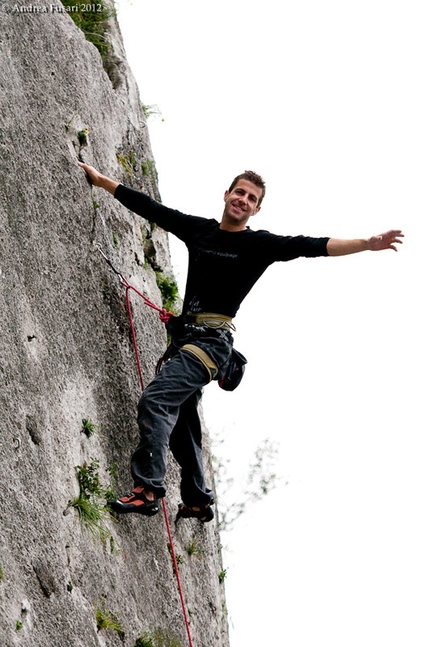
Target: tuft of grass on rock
[
  {"x": 91, "y": 503},
  {"x": 194, "y": 548},
  {"x": 107, "y": 620},
  {"x": 95, "y": 26},
  {"x": 157, "y": 638},
  {"x": 222, "y": 575},
  {"x": 88, "y": 428}
]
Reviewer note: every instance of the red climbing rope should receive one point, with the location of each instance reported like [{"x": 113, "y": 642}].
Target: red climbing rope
[
  {"x": 165, "y": 315},
  {"x": 178, "y": 579}
]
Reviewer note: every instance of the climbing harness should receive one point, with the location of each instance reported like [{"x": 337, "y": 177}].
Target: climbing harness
[
  {"x": 210, "y": 320},
  {"x": 165, "y": 316}
]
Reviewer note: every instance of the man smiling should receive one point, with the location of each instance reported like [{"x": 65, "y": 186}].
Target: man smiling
[
  {"x": 225, "y": 261},
  {"x": 242, "y": 200}
]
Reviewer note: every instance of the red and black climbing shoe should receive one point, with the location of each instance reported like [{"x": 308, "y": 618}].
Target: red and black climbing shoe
[
  {"x": 136, "y": 501},
  {"x": 203, "y": 514}
]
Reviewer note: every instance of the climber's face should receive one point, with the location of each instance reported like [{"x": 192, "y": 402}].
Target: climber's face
[{"x": 241, "y": 202}]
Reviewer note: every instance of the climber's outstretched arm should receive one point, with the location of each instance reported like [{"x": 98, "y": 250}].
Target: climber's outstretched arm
[
  {"x": 388, "y": 240},
  {"x": 97, "y": 179}
]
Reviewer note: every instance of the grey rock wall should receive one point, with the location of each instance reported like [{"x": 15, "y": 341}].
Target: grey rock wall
[{"x": 66, "y": 355}]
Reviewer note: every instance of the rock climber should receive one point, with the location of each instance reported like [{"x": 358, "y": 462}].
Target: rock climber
[{"x": 225, "y": 260}]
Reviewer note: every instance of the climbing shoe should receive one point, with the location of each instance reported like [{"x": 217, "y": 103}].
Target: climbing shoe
[
  {"x": 185, "y": 512},
  {"x": 136, "y": 501}
]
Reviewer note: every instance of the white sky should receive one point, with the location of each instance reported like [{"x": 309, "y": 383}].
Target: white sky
[{"x": 329, "y": 101}]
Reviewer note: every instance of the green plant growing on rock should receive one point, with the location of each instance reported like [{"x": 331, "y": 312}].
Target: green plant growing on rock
[
  {"x": 18, "y": 625},
  {"x": 82, "y": 137},
  {"x": 112, "y": 470},
  {"x": 1, "y": 572},
  {"x": 180, "y": 559},
  {"x": 95, "y": 25},
  {"x": 88, "y": 428},
  {"x": 113, "y": 548},
  {"x": 169, "y": 291},
  {"x": 127, "y": 162},
  {"x": 222, "y": 575},
  {"x": 149, "y": 170},
  {"x": 144, "y": 641},
  {"x": 107, "y": 620},
  {"x": 151, "y": 110},
  {"x": 91, "y": 502},
  {"x": 194, "y": 548},
  {"x": 157, "y": 638}
]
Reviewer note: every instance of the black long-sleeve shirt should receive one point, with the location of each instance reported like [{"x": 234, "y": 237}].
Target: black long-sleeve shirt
[{"x": 223, "y": 265}]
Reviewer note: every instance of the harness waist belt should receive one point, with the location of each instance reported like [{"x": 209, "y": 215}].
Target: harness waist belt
[{"x": 210, "y": 319}]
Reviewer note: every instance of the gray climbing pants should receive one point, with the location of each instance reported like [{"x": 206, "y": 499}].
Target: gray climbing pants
[{"x": 168, "y": 415}]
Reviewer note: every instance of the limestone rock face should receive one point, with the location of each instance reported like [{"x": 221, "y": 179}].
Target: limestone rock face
[{"x": 66, "y": 355}]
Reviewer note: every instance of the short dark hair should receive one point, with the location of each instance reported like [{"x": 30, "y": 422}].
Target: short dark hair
[{"x": 251, "y": 177}]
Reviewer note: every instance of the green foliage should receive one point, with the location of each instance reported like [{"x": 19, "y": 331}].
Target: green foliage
[
  {"x": 180, "y": 559},
  {"x": 169, "y": 291},
  {"x": 69, "y": 587},
  {"x": 93, "y": 516},
  {"x": 112, "y": 470},
  {"x": 82, "y": 136},
  {"x": 115, "y": 241},
  {"x": 95, "y": 25},
  {"x": 144, "y": 641},
  {"x": 222, "y": 575},
  {"x": 149, "y": 170},
  {"x": 127, "y": 162},
  {"x": 91, "y": 502},
  {"x": 107, "y": 620},
  {"x": 157, "y": 638},
  {"x": 113, "y": 549},
  {"x": 88, "y": 428},
  {"x": 1, "y": 572},
  {"x": 151, "y": 110},
  {"x": 194, "y": 548},
  {"x": 89, "y": 479},
  {"x": 18, "y": 625}
]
